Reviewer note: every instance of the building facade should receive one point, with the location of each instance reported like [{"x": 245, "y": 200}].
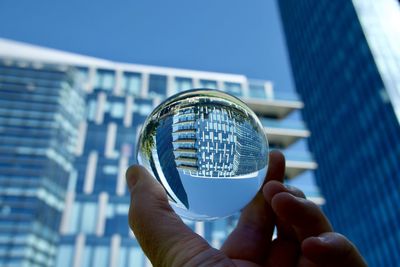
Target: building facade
[
  {"x": 93, "y": 230},
  {"x": 345, "y": 59},
  {"x": 40, "y": 110}
]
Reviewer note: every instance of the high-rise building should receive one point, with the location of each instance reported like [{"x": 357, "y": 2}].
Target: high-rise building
[
  {"x": 40, "y": 110},
  {"x": 93, "y": 229},
  {"x": 345, "y": 60}
]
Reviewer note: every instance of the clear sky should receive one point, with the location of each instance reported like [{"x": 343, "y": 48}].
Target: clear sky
[{"x": 233, "y": 36}]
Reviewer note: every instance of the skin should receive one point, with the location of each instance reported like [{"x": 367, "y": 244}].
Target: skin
[{"x": 305, "y": 236}]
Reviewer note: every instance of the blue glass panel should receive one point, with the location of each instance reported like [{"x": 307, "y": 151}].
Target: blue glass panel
[
  {"x": 257, "y": 90},
  {"x": 105, "y": 79},
  {"x": 233, "y": 88},
  {"x": 182, "y": 84},
  {"x": 208, "y": 84},
  {"x": 131, "y": 83},
  {"x": 157, "y": 85}
]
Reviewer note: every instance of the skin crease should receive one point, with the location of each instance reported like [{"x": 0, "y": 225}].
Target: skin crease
[{"x": 305, "y": 236}]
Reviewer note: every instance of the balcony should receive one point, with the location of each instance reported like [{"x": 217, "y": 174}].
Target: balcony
[
  {"x": 298, "y": 162},
  {"x": 277, "y": 105},
  {"x": 284, "y": 132}
]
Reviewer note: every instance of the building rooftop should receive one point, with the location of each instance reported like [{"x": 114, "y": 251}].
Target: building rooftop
[{"x": 24, "y": 51}]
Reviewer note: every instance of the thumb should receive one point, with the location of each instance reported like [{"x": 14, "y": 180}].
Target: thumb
[{"x": 164, "y": 238}]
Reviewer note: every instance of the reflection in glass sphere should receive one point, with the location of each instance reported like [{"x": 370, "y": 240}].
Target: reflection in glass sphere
[{"x": 208, "y": 150}]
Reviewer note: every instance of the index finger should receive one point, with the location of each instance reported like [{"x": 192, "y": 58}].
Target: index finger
[{"x": 306, "y": 218}]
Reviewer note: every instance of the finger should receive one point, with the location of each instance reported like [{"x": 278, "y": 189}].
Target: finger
[
  {"x": 285, "y": 230},
  {"x": 283, "y": 253},
  {"x": 164, "y": 238},
  {"x": 304, "y": 216},
  {"x": 332, "y": 249},
  {"x": 253, "y": 233},
  {"x": 272, "y": 188}
]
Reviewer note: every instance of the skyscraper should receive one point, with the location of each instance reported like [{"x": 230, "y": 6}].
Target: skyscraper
[
  {"x": 40, "y": 110},
  {"x": 345, "y": 60},
  {"x": 118, "y": 98}
]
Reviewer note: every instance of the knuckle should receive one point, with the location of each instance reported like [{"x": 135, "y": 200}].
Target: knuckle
[{"x": 295, "y": 191}]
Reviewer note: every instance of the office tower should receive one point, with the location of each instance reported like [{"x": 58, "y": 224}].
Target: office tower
[
  {"x": 40, "y": 110},
  {"x": 345, "y": 60},
  {"x": 119, "y": 97}
]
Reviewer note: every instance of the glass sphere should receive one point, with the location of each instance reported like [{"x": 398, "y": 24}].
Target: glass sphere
[{"x": 208, "y": 150}]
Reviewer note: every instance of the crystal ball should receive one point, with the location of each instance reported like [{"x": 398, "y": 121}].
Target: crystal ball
[{"x": 208, "y": 150}]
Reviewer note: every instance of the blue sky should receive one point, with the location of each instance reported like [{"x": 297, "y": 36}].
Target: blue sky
[{"x": 216, "y": 35}]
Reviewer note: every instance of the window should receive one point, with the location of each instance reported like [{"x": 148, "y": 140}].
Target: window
[
  {"x": 65, "y": 254},
  {"x": 157, "y": 85},
  {"x": 87, "y": 256},
  {"x": 122, "y": 257},
  {"x": 143, "y": 109},
  {"x": 82, "y": 75},
  {"x": 89, "y": 216},
  {"x": 182, "y": 84},
  {"x": 105, "y": 80},
  {"x": 76, "y": 211},
  {"x": 257, "y": 90},
  {"x": 136, "y": 257},
  {"x": 100, "y": 257},
  {"x": 131, "y": 83},
  {"x": 117, "y": 110},
  {"x": 233, "y": 88},
  {"x": 91, "y": 110},
  {"x": 208, "y": 84},
  {"x": 110, "y": 170}
]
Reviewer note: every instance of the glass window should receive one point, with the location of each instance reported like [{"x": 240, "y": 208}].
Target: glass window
[
  {"x": 75, "y": 217},
  {"x": 157, "y": 85},
  {"x": 100, "y": 257},
  {"x": 233, "y": 88},
  {"x": 208, "y": 84},
  {"x": 108, "y": 81},
  {"x": 117, "y": 110},
  {"x": 257, "y": 90},
  {"x": 131, "y": 83},
  {"x": 89, "y": 216},
  {"x": 105, "y": 80},
  {"x": 64, "y": 256},
  {"x": 143, "y": 109},
  {"x": 110, "y": 169},
  {"x": 87, "y": 256},
  {"x": 136, "y": 257},
  {"x": 122, "y": 208},
  {"x": 122, "y": 257},
  {"x": 182, "y": 84},
  {"x": 91, "y": 110},
  {"x": 82, "y": 75}
]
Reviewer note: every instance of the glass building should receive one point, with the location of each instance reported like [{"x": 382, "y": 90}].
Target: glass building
[
  {"x": 345, "y": 59},
  {"x": 93, "y": 228},
  {"x": 40, "y": 111}
]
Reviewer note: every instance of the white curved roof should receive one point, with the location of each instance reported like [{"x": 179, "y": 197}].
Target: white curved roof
[{"x": 18, "y": 50}]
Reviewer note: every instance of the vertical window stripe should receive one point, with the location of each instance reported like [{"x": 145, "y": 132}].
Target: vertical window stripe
[{"x": 90, "y": 172}]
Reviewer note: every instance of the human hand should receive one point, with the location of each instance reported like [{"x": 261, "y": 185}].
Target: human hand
[{"x": 305, "y": 236}]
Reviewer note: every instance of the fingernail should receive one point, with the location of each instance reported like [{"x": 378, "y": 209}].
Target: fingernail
[{"x": 325, "y": 238}]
